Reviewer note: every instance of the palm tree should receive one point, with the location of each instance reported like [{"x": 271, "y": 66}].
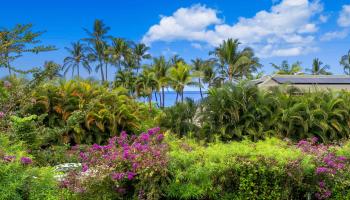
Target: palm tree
[
  {"x": 98, "y": 45},
  {"x": 180, "y": 76},
  {"x": 345, "y": 62},
  {"x": 238, "y": 63},
  {"x": 160, "y": 68},
  {"x": 285, "y": 68},
  {"x": 198, "y": 68},
  {"x": 140, "y": 52},
  {"x": 119, "y": 51},
  {"x": 125, "y": 79},
  {"x": 176, "y": 59},
  {"x": 145, "y": 84},
  {"x": 52, "y": 70},
  {"x": 77, "y": 56},
  {"x": 318, "y": 69}
]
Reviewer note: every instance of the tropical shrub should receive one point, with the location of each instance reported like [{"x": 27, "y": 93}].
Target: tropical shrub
[
  {"x": 270, "y": 169},
  {"x": 180, "y": 118},
  {"x": 127, "y": 167},
  {"x": 238, "y": 111},
  {"x": 86, "y": 111},
  {"x": 19, "y": 179}
]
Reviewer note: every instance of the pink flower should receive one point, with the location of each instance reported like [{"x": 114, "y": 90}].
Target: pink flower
[
  {"x": 131, "y": 175},
  {"x": 85, "y": 167},
  {"x": 118, "y": 176},
  {"x": 26, "y": 161},
  {"x": 2, "y": 114},
  {"x": 160, "y": 137}
]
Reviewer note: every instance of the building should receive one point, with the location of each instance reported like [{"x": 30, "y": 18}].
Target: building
[{"x": 305, "y": 82}]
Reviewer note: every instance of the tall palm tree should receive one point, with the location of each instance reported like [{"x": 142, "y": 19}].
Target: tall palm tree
[
  {"x": 119, "y": 51},
  {"x": 285, "y": 68},
  {"x": 176, "y": 59},
  {"x": 160, "y": 68},
  {"x": 145, "y": 84},
  {"x": 198, "y": 69},
  {"x": 238, "y": 63},
  {"x": 318, "y": 69},
  {"x": 97, "y": 40},
  {"x": 77, "y": 57},
  {"x": 180, "y": 76},
  {"x": 345, "y": 62},
  {"x": 52, "y": 70},
  {"x": 140, "y": 51},
  {"x": 125, "y": 79}
]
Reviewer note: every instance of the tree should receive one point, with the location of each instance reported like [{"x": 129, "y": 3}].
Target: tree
[
  {"x": 77, "y": 57},
  {"x": 345, "y": 62},
  {"x": 176, "y": 59},
  {"x": 17, "y": 41},
  {"x": 318, "y": 69},
  {"x": 160, "y": 68},
  {"x": 238, "y": 63},
  {"x": 146, "y": 83},
  {"x": 140, "y": 51},
  {"x": 180, "y": 76},
  {"x": 52, "y": 70},
  {"x": 198, "y": 68},
  {"x": 285, "y": 68},
  {"x": 119, "y": 51},
  {"x": 125, "y": 79},
  {"x": 98, "y": 46}
]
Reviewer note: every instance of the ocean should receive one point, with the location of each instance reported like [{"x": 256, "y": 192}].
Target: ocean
[{"x": 170, "y": 97}]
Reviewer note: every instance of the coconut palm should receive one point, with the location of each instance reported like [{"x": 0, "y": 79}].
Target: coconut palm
[
  {"x": 345, "y": 62},
  {"x": 119, "y": 51},
  {"x": 52, "y": 70},
  {"x": 145, "y": 84},
  {"x": 318, "y": 68},
  {"x": 179, "y": 77},
  {"x": 125, "y": 79},
  {"x": 160, "y": 68},
  {"x": 285, "y": 68},
  {"x": 198, "y": 66},
  {"x": 237, "y": 63},
  {"x": 77, "y": 57},
  {"x": 140, "y": 51},
  {"x": 97, "y": 40},
  {"x": 176, "y": 59}
]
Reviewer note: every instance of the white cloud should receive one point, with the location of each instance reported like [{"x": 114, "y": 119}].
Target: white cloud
[
  {"x": 197, "y": 46},
  {"x": 334, "y": 35},
  {"x": 287, "y": 28},
  {"x": 344, "y": 16},
  {"x": 323, "y": 18}
]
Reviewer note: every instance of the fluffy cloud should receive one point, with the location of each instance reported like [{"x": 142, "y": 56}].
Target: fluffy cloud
[
  {"x": 286, "y": 29},
  {"x": 344, "y": 17}
]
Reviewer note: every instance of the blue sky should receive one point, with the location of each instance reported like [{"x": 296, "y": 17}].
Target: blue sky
[{"x": 277, "y": 29}]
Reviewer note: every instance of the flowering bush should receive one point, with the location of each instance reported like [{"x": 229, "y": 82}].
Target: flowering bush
[
  {"x": 126, "y": 167},
  {"x": 329, "y": 166}
]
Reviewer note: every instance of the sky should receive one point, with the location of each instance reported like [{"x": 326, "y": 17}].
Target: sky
[{"x": 277, "y": 30}]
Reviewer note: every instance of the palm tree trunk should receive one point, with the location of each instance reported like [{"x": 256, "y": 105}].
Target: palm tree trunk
[
  {"x": 8, "y": 65},
  {"x": 73, "y": 72},
  {"x": 160, "y": 99},
  {"x": 102, "y": 74},
  {"x": 177, "y": 96},
  {"x": 78, "y": 72},
  {"x": 200, "y": 87},
  {"x": 150, "y": 102},
  {"x": 106, "y": 71},
  {"x": 230, "y": 72},
  {"x": 155, "y": 96},
  {"x": 182, "y": 96},
  {"x": 163, "y": 98}
]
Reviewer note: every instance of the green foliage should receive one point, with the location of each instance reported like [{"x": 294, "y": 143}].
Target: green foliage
[
  {"x": 86, "y": 112},
  {"x": 180, "y": 118},
  {"x": 19, "y": 181},
  {"x": 237, "y": 170}
]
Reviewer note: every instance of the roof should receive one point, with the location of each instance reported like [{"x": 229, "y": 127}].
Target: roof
[{"x": 307, "y": 79}]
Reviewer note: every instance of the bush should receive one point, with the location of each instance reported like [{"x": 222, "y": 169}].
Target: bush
[
  {"x": 270, "y": 169},
  {"x": 19, "y": 179},
  {"x": 127, "y": 167}
]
